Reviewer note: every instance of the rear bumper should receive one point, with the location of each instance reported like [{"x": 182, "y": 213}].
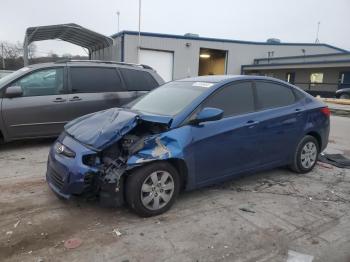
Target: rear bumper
[{"x": 66, "y": 176}]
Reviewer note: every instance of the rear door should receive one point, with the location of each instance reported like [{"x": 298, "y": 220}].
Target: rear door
[
  {"x": 93, "y": 89},
  {"x": 41, "y": 110},
  {"x": 281, "y": 120}
]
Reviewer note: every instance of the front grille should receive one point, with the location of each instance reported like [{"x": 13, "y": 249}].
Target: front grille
[{"x": 56, "y": 179}]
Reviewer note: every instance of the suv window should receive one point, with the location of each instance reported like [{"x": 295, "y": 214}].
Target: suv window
[
  {"x": 234, "y": 99},
  {"x": 272, "y": 95},
  {"x": 95, "y": 80},
  {"x": 137, "y": 80},
  {"x": 42, "y": 82}
]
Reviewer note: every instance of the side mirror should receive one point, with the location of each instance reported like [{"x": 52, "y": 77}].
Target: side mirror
[
  {"x": 14, "y": 91},
  {"x": 208, "y": 114}
]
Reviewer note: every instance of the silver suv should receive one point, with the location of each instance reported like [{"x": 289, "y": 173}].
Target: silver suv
[{"x": 38, "y": 100}]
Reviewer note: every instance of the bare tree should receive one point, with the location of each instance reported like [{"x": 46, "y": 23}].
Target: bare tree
[
  {"x": 32, "y": 50},
  {"x": 11, "y": 50}
]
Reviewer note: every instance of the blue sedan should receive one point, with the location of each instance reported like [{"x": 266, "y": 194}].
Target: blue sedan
[{"x": 184, "y": 135}]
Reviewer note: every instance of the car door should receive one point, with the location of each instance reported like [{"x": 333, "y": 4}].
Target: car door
[
  {"x": 225, "y": 147},
  {"x": 41, "y": 110},
  {"x": 281, "y": 119},
  {"x": 94, "y": 89}
]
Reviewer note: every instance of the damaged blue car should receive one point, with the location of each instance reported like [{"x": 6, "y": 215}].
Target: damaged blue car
[{"x": 184, "y": 135}]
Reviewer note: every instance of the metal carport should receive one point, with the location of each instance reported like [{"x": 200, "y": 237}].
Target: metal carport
[{"x": 71, "y": 33}]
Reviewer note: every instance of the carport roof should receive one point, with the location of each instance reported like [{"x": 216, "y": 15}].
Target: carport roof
[{"x": 71, "y": 33}]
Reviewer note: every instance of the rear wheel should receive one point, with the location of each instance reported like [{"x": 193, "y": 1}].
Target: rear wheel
[
  {"x": 305, "y": 156},
  {"x": 344, "y": 96},
  {"x": 151, "y": 190}
]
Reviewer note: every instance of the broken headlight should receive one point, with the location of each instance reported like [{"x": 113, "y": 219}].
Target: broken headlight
[
  {"x": 91, "y": 160},
  {"x": 63, "y": 150}
]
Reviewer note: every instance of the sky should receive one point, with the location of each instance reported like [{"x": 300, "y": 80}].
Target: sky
[{"x": 253, "y": 20}]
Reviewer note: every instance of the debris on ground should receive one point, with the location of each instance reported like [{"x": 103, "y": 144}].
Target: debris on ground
[
  {"x": 16, "y": 224},
  {"x": 324, "y": 165},
  {"x": 245, "y": 209},
  {"x": 9, "y": 232},
  {"x": 337, "y": 160},
  {"x": 294, "y": 256},
  {"x": 72, "y": 243},
  {"x": 117, "y": 232}
]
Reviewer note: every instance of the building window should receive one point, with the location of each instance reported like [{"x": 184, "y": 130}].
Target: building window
[
  {"x": 270, "y": 74},
  {"x": 316, "y": 78}
]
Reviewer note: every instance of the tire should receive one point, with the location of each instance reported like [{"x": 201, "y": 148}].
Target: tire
[
  {"x": 299, "y": 165},
  {"x": 344, "y": 96},
  {"x": 145, "y": 189}
]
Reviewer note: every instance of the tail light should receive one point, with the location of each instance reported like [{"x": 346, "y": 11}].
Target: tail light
[{"x": 326, "y": 111}]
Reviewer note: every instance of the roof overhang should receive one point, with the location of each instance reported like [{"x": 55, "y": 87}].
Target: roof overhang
[
  {"x": 324, "y": 64},
  {"x": 71, "y": 33}
]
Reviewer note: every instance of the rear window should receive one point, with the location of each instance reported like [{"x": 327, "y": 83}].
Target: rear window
[
  {"x": 95, "y": 80},
  {"x": 272, "y": 95},
  {"x": 137, "y": 80}
]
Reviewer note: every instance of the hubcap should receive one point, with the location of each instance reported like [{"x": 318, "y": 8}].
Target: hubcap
[
  {"x": 157, "y": 190},
  {"x": 308, "y": 155}
]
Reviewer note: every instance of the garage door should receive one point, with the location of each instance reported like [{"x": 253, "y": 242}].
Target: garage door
[{"x": 161, "y": 61}]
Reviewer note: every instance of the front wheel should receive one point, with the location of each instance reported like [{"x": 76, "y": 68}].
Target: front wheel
[
  {"x": 305, "y": 156},
  {"x": 344, "y": 96},
  {"x": 151, "y": 190}
]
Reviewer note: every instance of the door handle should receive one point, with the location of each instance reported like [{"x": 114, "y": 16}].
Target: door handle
[
  {"x": 75, "y": 98},
  {"x": 251, "y": 123},
  {"x": 59, "y": 100},
  {"x": 298, "y": 111}
]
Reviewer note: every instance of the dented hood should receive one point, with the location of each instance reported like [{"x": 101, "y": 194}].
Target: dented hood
[{"x": 101, "y": 129}]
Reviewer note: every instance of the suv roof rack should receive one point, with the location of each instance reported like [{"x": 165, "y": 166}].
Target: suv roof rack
[{"x": 104, "y": 62}]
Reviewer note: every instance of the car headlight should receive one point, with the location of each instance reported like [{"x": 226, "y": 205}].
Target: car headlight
[{"x": 63, "y": 150}]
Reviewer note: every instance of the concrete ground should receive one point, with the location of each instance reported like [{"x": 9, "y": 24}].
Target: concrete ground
[{"x": 260, "y": 217}]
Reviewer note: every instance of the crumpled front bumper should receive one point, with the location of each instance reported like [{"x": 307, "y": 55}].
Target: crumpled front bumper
[{"x": 67, "y": 176}]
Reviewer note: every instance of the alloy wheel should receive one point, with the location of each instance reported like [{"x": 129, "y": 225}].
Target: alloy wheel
[
  {"x": 157, "y": 190},
  {"x": 308, "y": 155}
]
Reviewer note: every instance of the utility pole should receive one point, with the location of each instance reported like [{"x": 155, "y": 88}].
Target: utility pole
[
  {"x": 139, "y": 40},
  {"x": 118, "y": 14},
  {"x": 2, "y": 56},
  {"x": 317, "y": 41}
]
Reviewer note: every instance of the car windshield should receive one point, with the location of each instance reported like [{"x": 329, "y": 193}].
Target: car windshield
[
  {"x": 170, "y": 98},
  {"x": 13, "y": 75}
]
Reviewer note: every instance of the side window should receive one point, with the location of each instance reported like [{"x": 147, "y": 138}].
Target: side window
[
  {"x": 234, "y": 99},
  {"x": 42, "y": 83},
  {"x": 272, "y": 95},
  {"x": 137, "y": 80},
  {"x": 95, "y": 80}
]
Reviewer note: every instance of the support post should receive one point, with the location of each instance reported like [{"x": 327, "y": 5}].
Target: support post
[
  {"x": 2, "y": 56},
  {"x": 25, "y": 51}
]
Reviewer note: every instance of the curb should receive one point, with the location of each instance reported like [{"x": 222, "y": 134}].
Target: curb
[{"x": 340, "y": 112}]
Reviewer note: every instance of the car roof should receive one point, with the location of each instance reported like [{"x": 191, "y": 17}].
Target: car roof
[
  {"x": 89, "y": 63},
  {"x": 226, "y": 78}
]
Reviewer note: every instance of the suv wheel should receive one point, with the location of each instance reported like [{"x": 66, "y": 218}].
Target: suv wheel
[
  {"x": 151, "y": 190},
  {"x": 305, "y": 156},
  {"x": 344, "y": 96}
]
